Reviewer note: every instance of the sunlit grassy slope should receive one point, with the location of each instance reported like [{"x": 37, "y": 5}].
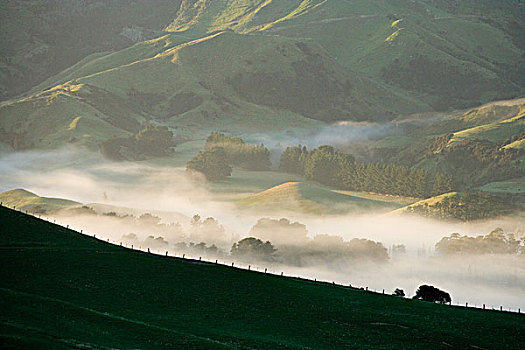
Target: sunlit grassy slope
[
  {"x": 245, "y": 66},
  {"x": 428, "y": 201},
  {"x": 312, "y": 199},
  {"x": 25, "y": 200},
  {"x": 59, "y": 289},
  {"x": 496, "y": 132},
  {"x": 405, "y": 44}
]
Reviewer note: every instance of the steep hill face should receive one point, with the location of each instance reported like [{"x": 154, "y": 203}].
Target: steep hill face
[
  {"x": 39, "y": 38},
  {"x": 451, "y": 54},
  {"x": 247, "y": 65}
]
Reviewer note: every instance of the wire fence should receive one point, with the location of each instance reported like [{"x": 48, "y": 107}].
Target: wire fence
[{"x": 248, "y": 267}]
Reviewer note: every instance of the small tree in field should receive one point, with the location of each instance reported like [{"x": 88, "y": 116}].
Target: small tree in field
[
  {"x": 253, "y": 248},
  {"x": 433, "y": 294},
  {"x": 399, "y": 292}
]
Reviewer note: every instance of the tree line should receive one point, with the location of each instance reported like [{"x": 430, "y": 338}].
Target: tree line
[
  {"x": 330, "y": 167},
  {"x": 496, "y": 242}
]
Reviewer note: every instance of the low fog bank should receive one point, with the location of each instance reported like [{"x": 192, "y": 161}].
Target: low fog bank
[{"x": 155, "y": 206}]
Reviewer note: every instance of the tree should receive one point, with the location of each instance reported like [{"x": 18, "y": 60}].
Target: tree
[
  {"x": 442, "y": 184},
  {"x": 432, "y": 294},
  {"x": 280, "y": 231},
  {"x": 213, "y": 164},
  {"x": 154, "y": 141},
  {"x": 399, "y": 292},
  {"x": 253, "y": 248}
]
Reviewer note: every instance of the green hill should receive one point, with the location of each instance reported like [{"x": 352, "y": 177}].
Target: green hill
[
  {"x": 309, "y": 198},
  {"x": 245, "y": 66},
  {"x": 25, "y": 200},
  {"x": 449, "y": 54},
  {"x": 60, "y": 289},
  {"x": 251, "y": 83},
  {"x": 429, "y": 201}
]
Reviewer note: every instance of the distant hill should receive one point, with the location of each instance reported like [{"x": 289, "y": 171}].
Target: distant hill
[
  {"x": 25, "y": 200},
  {"x": 309, "y": 198},
  {"x": 246, "y": 66},
  {"x": 475, "y": 146},
  {"x": 59, "y": 289}
]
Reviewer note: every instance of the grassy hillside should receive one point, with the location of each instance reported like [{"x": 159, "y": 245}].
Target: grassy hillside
[
  {"x": 25, "y": 200},
  {"x": 310, "y": 198},
  {"x": 428, "y": 201},
  {"x": 476, "y": 146},
  {"x": 245, "y": 66},
  {"x": 449, "y": 54},
  {"x": 60, "y": 289},
  {"x": 40, "y": 38}
]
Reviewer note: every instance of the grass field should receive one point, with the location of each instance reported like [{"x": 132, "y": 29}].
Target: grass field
[
  {"x": 60, "y": 289},
  {"x": 509, "y": 186}
]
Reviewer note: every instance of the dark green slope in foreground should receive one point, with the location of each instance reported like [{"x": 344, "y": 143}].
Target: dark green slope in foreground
[{"x": 60, "y": 289}]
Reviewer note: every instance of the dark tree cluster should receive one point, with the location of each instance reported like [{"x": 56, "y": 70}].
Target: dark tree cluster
[
  {"x": 432, "y": 294},
  {"x": 330, "y": 167},
  {"x": 213, "y": 164},
  {"x": 465, "y": 207},
  {"x": 152, "y": 141},
  {"x": 250, "y": 157},
  {"x": 496, "y": 242},
  {"x": 253, "y": 248}
]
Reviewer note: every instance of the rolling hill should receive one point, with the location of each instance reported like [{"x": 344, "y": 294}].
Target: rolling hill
[
  {"x": 108, "y": 297},
  {"x": 246, "y": 66},
  {"x": 25, "y": 200},
  {"x": 310, "y": 198}
]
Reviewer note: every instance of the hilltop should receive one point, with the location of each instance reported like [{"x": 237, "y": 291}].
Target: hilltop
[
  {"x": 148, "y": 301},
  {"x": 310, "y": 198}
]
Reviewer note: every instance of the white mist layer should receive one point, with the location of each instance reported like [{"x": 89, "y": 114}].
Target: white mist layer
[{"x": 171, "y": 194}]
